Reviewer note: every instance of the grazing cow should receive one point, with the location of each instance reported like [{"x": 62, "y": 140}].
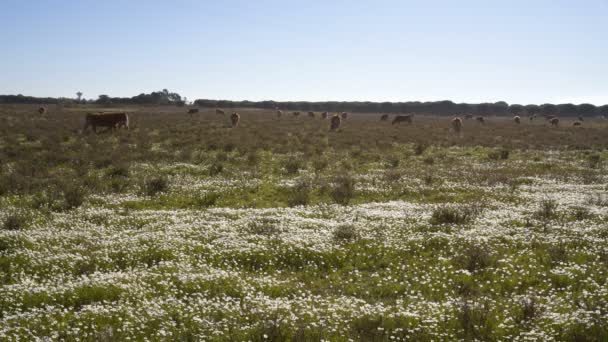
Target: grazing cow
[
  {"x": 234, "y": 119},
  {"x": 279, "y": 113},
  {"x": 344, "y": 115},
  {"x": 219, "y": 111},
  {"x": 480, "y": 119},
  {"x": 468, "y": 116},
  {"x": 109, "y": 120},
  {"x": 311, "y": 114},
  {"x": 42, "y": 110},
  {"x": 517, "y": 119},
  {"x": 457, "y": 124},
  {"x": 554, "y": 122},
  {"x": 324, "y": 115},
  {"x": 576, "y": 123},
  {"x": 296, "y": 114},
  {"x": 335, "y": 123},
  {"x": 193, "y": 111},
  {"x": 384, "y": 117},
  {"x": 402, "y": 118}
]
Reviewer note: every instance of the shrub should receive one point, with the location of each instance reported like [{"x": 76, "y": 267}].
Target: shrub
[
  {"x": 594, "y": 161},
  {"x": 473, "y": 258},
  {"x": 345, "y": 233},
  {"x": 293, "y": 165},
  {"x": 393, "y": 175},
  {"x": 547, "y": 210},
  {"x": 429, "y": 160},
  {"x": 580, "y": 213},
  {"x": 207, "y": 200},
  {"x": 344, "y": 189},
  {"x": 452, "y": 215},
  {"x": 320, "y": 164},
  {"x": 215, "y": 169},
  {"x": 419, "y": 149},
  {"x": 156, "y": 185},
  {"x": 73, "y": 196},
  {"x": 14, "y": 221},
  {"x": 265, "y": 226},
  {"x": 393, "y": 161},
  {"x": 300, "y": 194},
  {"x": 118, "y": 171}
]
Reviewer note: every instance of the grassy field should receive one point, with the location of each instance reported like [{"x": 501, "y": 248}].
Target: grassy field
[{"x": 185, "y": 229}]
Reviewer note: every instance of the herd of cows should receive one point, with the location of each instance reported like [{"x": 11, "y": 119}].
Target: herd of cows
[{"x": 118, "y": 120}]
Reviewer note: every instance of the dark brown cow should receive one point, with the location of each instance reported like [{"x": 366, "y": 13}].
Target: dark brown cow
[
  {"x": 42, "y": 110},
  {"x": 234, "y": 119},
  {"x": 554, "y": 122},
  {"x": 402, "y": 118},
  {"x": 219, "y": 111},
  {"x": 193, "y": 111},
  {"x": 344, "y": 115},
  {"x": 480, "y": 119},
  {"x": 576, "y": 123},
  {"x": 457, "y": 124},
  {"x": 335, "y": 123},
  {"x": 324, "y": 115},
  {"x": 311, "y": 114},
  {"x": 109, "y": 120},
  {"x": 384, "y": 117},
  {"x": 517, "y": 120}
]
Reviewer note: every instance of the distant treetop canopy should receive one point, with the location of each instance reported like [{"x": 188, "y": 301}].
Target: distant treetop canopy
[{"x": 164, "y": 97}]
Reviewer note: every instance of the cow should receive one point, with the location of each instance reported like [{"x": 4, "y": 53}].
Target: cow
[
  {"x": 324, "y": 115},
  {"x": 42, "y": 110},
  {"x": 219, "y": 111},
  {"x": 480, "y": 119},
  {"x": 279, "y": 113},
  {"x": 296, "y": 114},
  {"x": 468, "y": 116},
  {"x": 384, "y": 117},
  {"x": 193, "y": 111},
  {"x": 109, "y": 120},
  {"x": 402, "y": 118},
  {"x": 457, "y": 124},
  {"x": 580, "y": 118},
  {"x": 335, "y": 123},
  {"x": 550, "y": 117},
  {"x": 577, "y": 124},
  {"x": 517, "y": 119},
  {"x": 344, "y": 115},
  {"x": 532, "y": 117},
  {"x": 234, "y": 119},
  {"x": 554, "y": 122},
  {"x": 311, "y": 114}
]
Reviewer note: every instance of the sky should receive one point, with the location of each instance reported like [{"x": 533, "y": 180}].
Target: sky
[{"x": 382, "y": 50}]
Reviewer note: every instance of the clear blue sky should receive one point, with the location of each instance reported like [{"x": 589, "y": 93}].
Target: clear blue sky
[{"x": 464, "y": 51}]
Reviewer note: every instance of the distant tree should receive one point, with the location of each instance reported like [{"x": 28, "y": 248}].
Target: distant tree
[
  {"x": 567, "y": 109},
  {"x": 104, "y": 100},
  {"x": 587, "y": 110},
  {"x": 79, "y": 94},
  {"x": 603, "y": 110},
  {"x": 548, "y": 109},
  {"x": 532, "y": 109},
  {"x": 517, "y": 109}
]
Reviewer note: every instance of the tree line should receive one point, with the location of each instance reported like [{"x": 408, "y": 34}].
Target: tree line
[
  {"x": 435, "y": 107},
  {"x": 165, "y": 97}
]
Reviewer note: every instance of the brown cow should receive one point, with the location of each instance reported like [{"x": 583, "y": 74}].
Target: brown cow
[
  {"x": 402, "y": 118},
  {"x": 480, "y": 119},
  {"x": 457, "y": 124},
  {"x": 335, "y": 123},
  {"x": 311, "y": 114},
  {"x": 109, "y": 120},
  {"x": 324, "y": 115},
  {"x": 193, "y": 111},
  {"x": 384, "y": 117},
  {"x": 234, "y": 119},
  {"x": 344, "y": 115},
  {"x": 219, "y": 111},
  {"x": 42, "y": 110},
  {"x": 576, "y": 123},
  {"x": 554, "y": 122},
  {"x": 517, "y": 119}
]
